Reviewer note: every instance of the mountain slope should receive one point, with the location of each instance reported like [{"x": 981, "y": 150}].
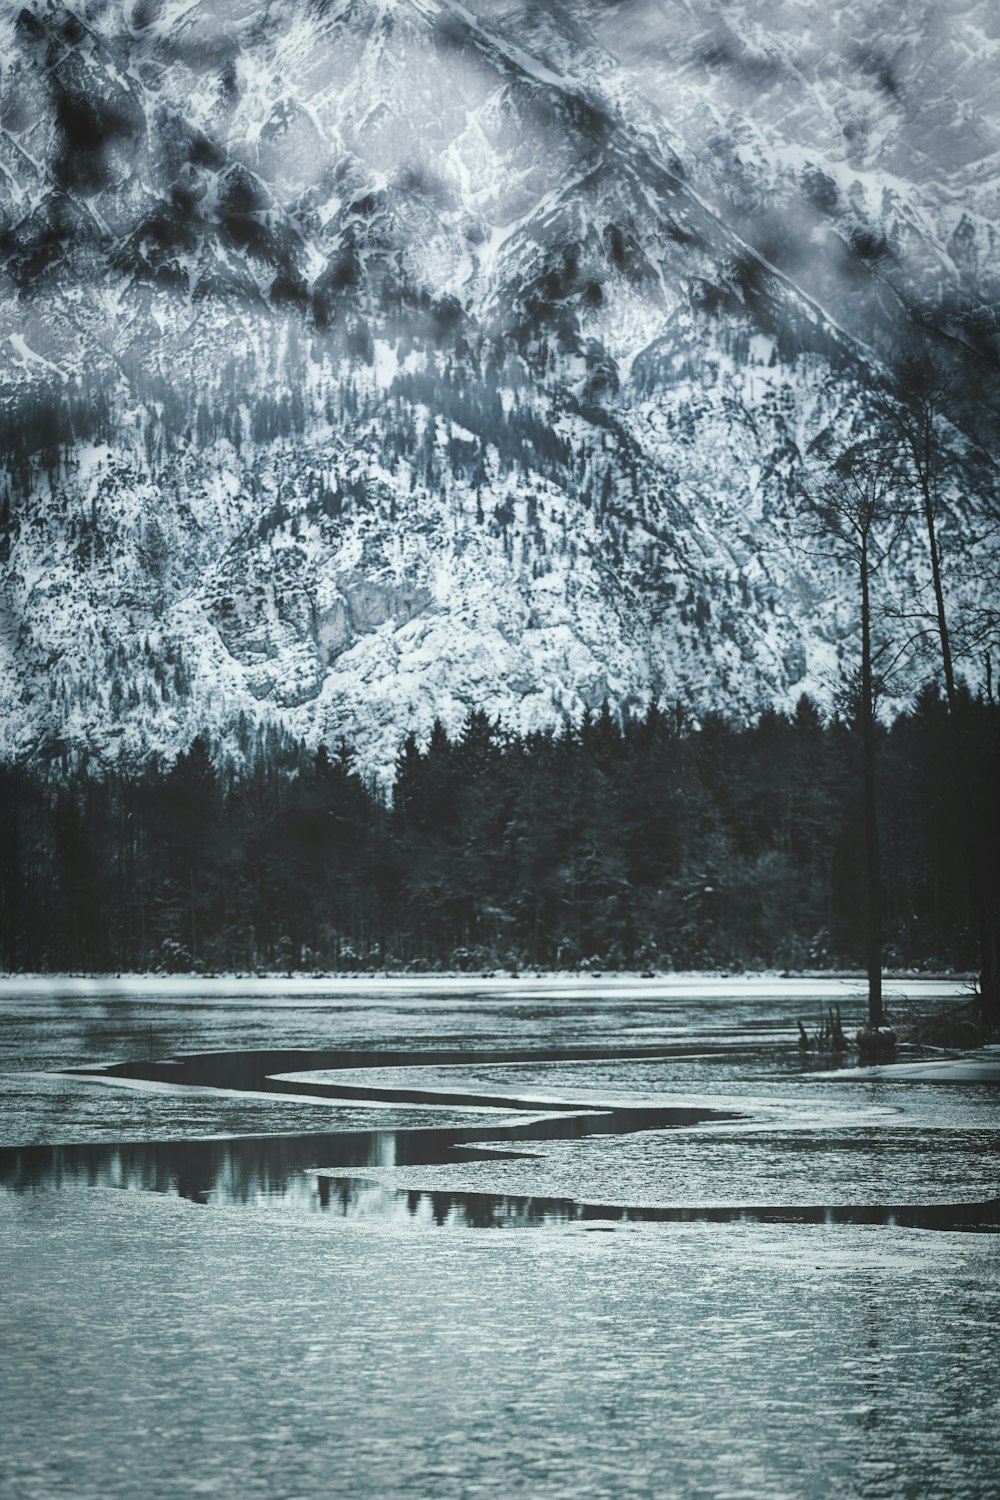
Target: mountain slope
[{"x": 368, "y": 361}]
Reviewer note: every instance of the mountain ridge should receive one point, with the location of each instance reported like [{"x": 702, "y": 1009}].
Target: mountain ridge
[{"x": 348, "y": 386}]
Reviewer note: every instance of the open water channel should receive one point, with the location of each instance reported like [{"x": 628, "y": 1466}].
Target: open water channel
[{"x": 546, "y": 1238}]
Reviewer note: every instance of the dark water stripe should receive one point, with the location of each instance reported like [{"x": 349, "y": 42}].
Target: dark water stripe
[
  {"x": 347, "y": 1197},
  {"x": 269, "y": 1163},
  {"x": 246, "y": 1166},
  {"x": 255, "y": 1070},
  {"x": 243, "y": 1169},
  {"x": 235, "y": 1172}
]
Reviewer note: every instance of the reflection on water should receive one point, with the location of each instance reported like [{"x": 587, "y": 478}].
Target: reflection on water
[
  {"x": 301, "y": 1171},
  {"x": 244, "y": 1169},
  {"x": 351, "y": 1197},
  {"x": 228, "y": 1171}
]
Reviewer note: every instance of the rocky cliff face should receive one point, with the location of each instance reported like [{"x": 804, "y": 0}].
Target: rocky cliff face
[{"x": 365, "y": 361}]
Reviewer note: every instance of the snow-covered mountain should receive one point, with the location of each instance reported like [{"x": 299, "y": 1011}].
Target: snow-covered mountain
[{"x": 362, "y": 362}]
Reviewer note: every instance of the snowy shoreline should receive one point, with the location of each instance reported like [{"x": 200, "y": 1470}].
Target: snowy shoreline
[{"x": 823, "y": 985}]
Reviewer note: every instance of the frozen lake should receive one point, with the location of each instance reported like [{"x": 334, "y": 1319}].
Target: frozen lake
[{"x": 553, "y": 1238}]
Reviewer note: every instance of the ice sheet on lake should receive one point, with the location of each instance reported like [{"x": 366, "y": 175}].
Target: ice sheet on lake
[
  {"x": 156, "y": 1348},
  {"x": 151, "y": 1345},
  {"x": 980, "y": 1067}
]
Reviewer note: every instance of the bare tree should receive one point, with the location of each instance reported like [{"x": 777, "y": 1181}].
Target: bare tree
[
  {"x": 855, "y": 514},
  {"x": 919, "y": 408}
]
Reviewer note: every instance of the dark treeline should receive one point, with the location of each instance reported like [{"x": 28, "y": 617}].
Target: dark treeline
[{"x": 645, "y": 844}]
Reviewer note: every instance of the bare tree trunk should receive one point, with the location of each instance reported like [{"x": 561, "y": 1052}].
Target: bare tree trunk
[
  {"x": 989, "y": 990},
  {"x": 873, "y": 862}
]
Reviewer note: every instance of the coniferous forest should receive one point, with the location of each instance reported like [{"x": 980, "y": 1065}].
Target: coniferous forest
[{"x": 649, "y": 843}]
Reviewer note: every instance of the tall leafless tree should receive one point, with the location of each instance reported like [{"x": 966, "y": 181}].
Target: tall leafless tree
[
  {"x": 920, "y": 408},
  {"x": 853, "y": 512}
]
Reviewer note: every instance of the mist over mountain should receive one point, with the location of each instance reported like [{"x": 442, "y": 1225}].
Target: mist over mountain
[{"x": 365, "y": 362}]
